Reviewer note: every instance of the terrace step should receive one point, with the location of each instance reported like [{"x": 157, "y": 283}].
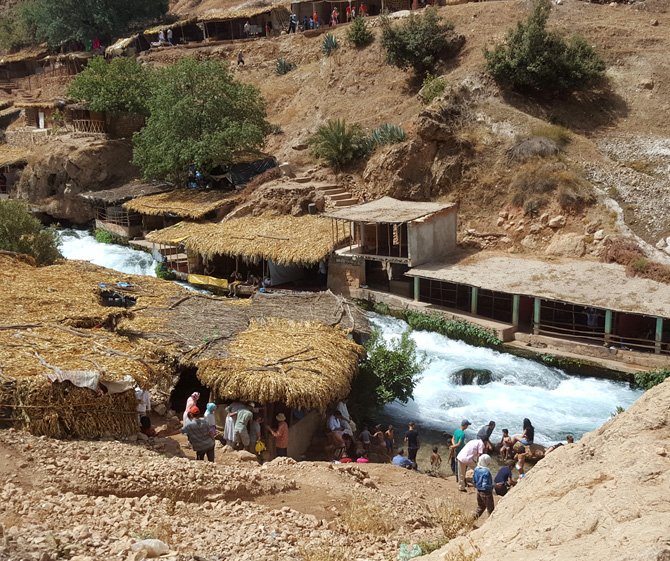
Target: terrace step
[
  {"x": 339, "y": 196},
  {"x": 345, "y": 202}
]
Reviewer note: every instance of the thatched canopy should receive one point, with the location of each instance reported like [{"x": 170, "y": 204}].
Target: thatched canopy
[
  {"x": 244, "y": 11},
  {"x": 29, "y": 53},
  {"x": 187, "y": 203},
  {"x": 174, "y": 25},
  {"x": 389, "y": 211},
  {"x": 126, "y": 192},
  {"x": 301, "y": 364},
  {"x": 12, "y": 156},
  {"x": 43, "y": 104},
  {"x": 287, "y": 240}
]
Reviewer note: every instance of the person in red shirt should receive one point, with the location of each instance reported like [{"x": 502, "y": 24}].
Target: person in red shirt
[
  {"x": 362, "y": 10},
  {"x": 348, "y": 13},
  {"x": 281, "y": 435}
]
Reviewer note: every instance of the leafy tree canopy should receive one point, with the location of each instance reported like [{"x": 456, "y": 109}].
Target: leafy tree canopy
[
  {"x": 532, "y": 58},
  {"x": 118, "y": 86},
  {"x": 420, "y": 41},
  {"x": 23, "y": 233},
  {"x": 59, "y": 21},
  {"x": 198, "y": 115}
]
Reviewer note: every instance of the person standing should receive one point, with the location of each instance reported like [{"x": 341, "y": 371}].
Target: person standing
[
  {"x": 240, "y": 59},
  {"x": 200, "y": 435},
  {"x": 255, "y": 433},
  {"x": 466, "y": 458},
  {"x": 247, "y": 29},
  {"x": 389, "y": 439},
  {"x": 281, "y": 435},
  {"x": 229, "y": 427},
  {"x": 413, "y": 442},
  {"x": 192, "y": 401},
  {"x": 169, "y": 36},
  {"x": 483, "y": 482},
  {"x": 210, "y": 417},
  {"x": 161, "y": 37},
  {"x": 457, "y": 443},
  {"x": 484, "y": 435},
  {"x": 242, "y": 418},
  {"x": 143, "y": 403}
]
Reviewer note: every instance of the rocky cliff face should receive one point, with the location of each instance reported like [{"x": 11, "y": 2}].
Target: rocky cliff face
[{"x": 604, "y": 497}]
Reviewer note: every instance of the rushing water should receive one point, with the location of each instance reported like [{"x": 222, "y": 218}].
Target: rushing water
[{"x": 556, "y": 403}]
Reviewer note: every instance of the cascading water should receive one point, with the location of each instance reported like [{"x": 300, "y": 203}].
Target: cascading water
[{"x": 556, "y": 403}]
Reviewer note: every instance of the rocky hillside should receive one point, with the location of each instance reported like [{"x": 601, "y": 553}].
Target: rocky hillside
[{"x": 604, "y": 497}]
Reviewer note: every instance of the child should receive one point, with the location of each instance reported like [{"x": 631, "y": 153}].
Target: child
[
  {"x": 389, "y": 437},
  {"x": 365, "y": 438},
  {"x": 484, "y": 484},
  {"x": 379, "y": 435},
  {"x": 435, "y": 460},
  {"x": 506, "y": 444},
  {"x": 520, "y": 458}
]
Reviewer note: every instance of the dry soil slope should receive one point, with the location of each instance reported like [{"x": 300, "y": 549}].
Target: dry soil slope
[{"x": 605, "y": 497}]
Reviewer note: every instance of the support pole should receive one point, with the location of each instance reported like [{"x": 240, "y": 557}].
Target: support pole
[
  {"x": 417, "y": 288},
  {"x": 515, "y": 310},
  {"x": 608, "y": 326},
  {"x": 659, "y": 335},
  {"x": 473, "y": 300},
  {"x": 536, "y": 317}
]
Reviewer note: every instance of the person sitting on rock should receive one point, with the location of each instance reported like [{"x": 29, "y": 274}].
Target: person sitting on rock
[
  {"x": 400, "y": 460},
  {"x": 520, "y": 458},
  {"x": 570, "y": 440},
  {"x": 505, "y": 445},
  {"x": 528, "y": 434},
  {"x": 503, "y": 481}
]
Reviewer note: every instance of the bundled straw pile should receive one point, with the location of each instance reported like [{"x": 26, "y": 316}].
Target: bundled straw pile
[
  {"x": 187, "y": 203},
  {"x": 301, "y": 364}
]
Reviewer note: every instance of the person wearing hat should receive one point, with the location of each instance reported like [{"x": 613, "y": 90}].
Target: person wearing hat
[
  {"x": 457, "y": 443},
  {"x": 200, "y": 435},
  {"x": 281, "y": 435}
]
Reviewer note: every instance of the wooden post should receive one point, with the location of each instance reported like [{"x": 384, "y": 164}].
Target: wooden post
[
  {"x": 516, "y": 299},
  {"x": 659, "y": 334},
  {"x": 608, "y": 326},
  {"x": 473, "y": 300},
  {"x": 377, "y": 238},
  {"x": 417, "y": 288},
  {"x": 536, "y": 316},
  {"x": 361, "y": 225}
]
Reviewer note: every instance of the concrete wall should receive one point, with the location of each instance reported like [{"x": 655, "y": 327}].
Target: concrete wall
[
  {"x": 345, "y": 274},
  {"x": 127, "y": 232},
  {"x": 432, "y": 238},
  {"x": 300, "y": 434}
]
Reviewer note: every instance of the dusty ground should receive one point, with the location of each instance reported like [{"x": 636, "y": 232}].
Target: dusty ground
[{"x": 93, "y": 500}]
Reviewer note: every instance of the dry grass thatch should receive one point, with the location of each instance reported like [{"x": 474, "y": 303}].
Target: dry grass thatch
[
  {"x": 126, "y": 192},
  {"x": 29, "y": 53},
  {"x": 286, "y": 240},
  {"x": 187, "y": 203},
  {"x": 301, "y": 364},
  {"x": 46, "y": 104},
  {"x": 10, "y": 155},
  {"x": 243, "y": 12}
]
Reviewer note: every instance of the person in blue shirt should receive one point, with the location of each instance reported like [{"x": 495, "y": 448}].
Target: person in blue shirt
[
  {"x": 483, "y": 481},
  {"x": 503, "y": 481},
  {"x": 400, "y": 460}
]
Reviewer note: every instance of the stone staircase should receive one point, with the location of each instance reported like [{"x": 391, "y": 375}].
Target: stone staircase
[{"x": 337, "y": 196}]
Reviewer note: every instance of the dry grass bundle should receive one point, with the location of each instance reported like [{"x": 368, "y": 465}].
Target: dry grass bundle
[
  {"x": 452, "y": 515},
  {"x": 10, "y": 155},
  {"x": 366, "y": 515},
  {"x": 302, "y": 364},
  {"x": 187, "y": 203},
  {"x": 626, "y": 252}
]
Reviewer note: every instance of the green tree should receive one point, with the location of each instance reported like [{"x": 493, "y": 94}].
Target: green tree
[
  {"x": 115, "y": 87},
  {"x": 338, "y": 144},
  {"x": 390, "y": 372},
  {"x": 14, "y": 32},
  {"x": 198, "y": 115},
  {"x": 358, "y": 33},
  {"x": 420, "y": 41},
  {"x": 532, "y": 58},
  {"x": 23, "y": 233},
  {"x": 59, "y": 21}
]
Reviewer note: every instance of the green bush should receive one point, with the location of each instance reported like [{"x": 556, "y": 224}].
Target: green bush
[
  {"x": 358, "y": 33},
  {"x": 532, "y": 58},
  {"x": 162, "y": 272},
  {"x": 433, "y": 87},
  {"x": 420, "y": 41},
  {"x": 387, "y": 134},
  {"x": 338, "y": 144},
  {"x": 454, "y": 329},
  {"x": 21, "y": 232},
  {"x": 648, "y": 380},
  {"x": 329, "y": 44},
  {"x": 103, "y": 237},
  {"x": 284, "y": 67}
]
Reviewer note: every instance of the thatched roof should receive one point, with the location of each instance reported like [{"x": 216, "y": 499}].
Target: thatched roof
[
  {"x": 302, "y": 364},
  {"x": 46, "y": 104},
  {"x": 11, "y": 156},
  {"x": 284, "y": 239},
  {"x": 175, "y": 25},
  {"x": 242, "y": 12},
  {"x": 120, "y": 45},
  {"x": 389, "y": 211},
  {"x": 30, "y": 53},
  {"x": 187, "y": 203},
  {"x": 131, "y": 190}
]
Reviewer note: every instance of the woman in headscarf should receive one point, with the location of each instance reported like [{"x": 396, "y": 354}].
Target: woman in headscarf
[
  {"x": 229, "y": 427},
  {"x": 483, "y": 481},
  {"x": 192, "y": 401},
  {"x": 210, "y": 417},
  {"x": 528, "y": 435}
]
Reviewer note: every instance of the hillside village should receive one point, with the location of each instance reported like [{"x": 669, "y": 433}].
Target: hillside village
[{"x": 540, "y": 218}]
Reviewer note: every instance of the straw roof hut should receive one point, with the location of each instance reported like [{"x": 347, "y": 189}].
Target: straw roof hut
[
  {"x": 186, "y": 203},
  {"x": 287, "y": 240},
  {"x": 40, "y": 104},
  {"x": 126, "y": 192},
  {"x": 301, "y": 364},
  {"x": 12, "y": 156}
]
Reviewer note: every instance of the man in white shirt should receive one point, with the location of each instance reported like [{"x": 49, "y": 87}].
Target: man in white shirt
[{"x": 467, "y": 458}]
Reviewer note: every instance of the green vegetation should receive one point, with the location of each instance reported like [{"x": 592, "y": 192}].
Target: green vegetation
[
  {"x": 57, "y": 22},
  {"x": 162, "y": 272},
  {"x": 329, "y": 44},
  {"x": 122, "y": 85},
  {"x": 14, "y": 32},
  {"x": 358, "y": 33},
  {"x": 23, "y": 233},
  {"x": 420, "y": 41},
  {"x": 564, "y": 363},
  {"x": 338, "y": 144},
  {"x": 560, "y": 135},
  {"x": 284, "y": 67},
  {"x": 388, "y": 133},
  {"x": 433, "y": 87},
  {"x": 532, "y": 58},
  {"x": 199, "y": 115},
  {"x": 101, "y": 236},
  {"x": 454, "y": 329},
  {"x": 648, "y": 380}
]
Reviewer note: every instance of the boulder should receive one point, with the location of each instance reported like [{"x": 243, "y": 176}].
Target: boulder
[
  {"x": 557, "y": 222},
  {"x": 470, "y": 376},
  {"x": 160, "y": 409},
  {"x": 532, "y": 148},
  {"x": 566, "y": 245}
]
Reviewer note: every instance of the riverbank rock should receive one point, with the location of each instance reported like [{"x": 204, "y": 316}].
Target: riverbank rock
[
  {"x": 470, "y": 376},
  {"x": 604, "y": 497}
]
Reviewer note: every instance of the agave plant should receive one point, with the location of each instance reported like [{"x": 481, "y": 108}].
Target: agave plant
[
  {"x": 329, "y": 44},
  {"x": 284, "y": 67},
  {"x": 387, "y": 134}
]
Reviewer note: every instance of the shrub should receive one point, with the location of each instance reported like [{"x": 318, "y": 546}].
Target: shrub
[
  {"x": 338, "y": 144},
  {"x": 284, "y": 67},
  {"x": 101, "y": 236},
  {"x": 162, "y": 272},
  {"x": 560, "y": 135},
  {"x": 329, "y": 44},
  {"x": 358, "y": 33},
  {"x": 531, "y": 58},
  {"x": 534, "y": 206},
  {"x": 451, "y": 518},
  {"x": 21, "y": 232},
  {"x": 364, "y": 515},
  {"x": 433, "y": 87},
  {"x": 626, "y": 252},
  {"x": 648, "y": 380},
  {"x": 420, "y": 41},
  {"x": 454, "y": 329},
  {"x": 387, "y": 134}
]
